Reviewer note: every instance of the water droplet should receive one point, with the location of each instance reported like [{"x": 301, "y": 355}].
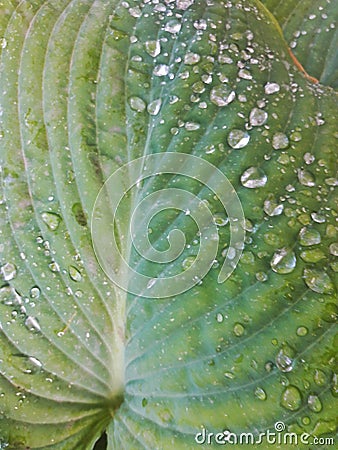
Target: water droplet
[
  {"x": 309, "y": 236},
  {"x": 260, "y": 393},
  {"x": 314, "y": 403},
  {"x": 188, "y": 262},
  {"x": 271, "y": 88},
  {"x": 3, "y": 42},
  {"x": 324, "y": 427},
  {"x": 9, "y": 296},
  {"x": 221, "y": 95},
  {"x": 161, "y": 70},
  {"x": 244, "y": 74},
  {"x": 285, "y": 358},
  {"x": 283, "y": 261},
  {"x": 135, "y": 12},
  {"x": 229, "y": 375},
  {"x": 74, "y": 274},
  {"x": 306, "y": 178},
  {"x": 330, "y": 313},
  {"x": 271, "y": 206},
  {"x": 52, "y": 220},
  {"x": 254, "y": 177},
  {"x": 219, "y": 317},
  {"x": 261, "y": 276},
  {"x": 32, "y": 324},
  {"x": 312, "y": 256},
  {"x": 191, "y": 58},
  {"x": 137, "y": 104},
  {"x": 319, "y": 377},
  {"x": 296, "y": 136},
  {"x": 26, "y": 364},
  {"x": 173, "y": 26},
  {"x": 247, "y": 258},
  {"x": 334, "y": 249},
  {"x": 238, "y": 329},
  {"x": 220, "y": 219},
  {"x": 302, "y": 331},
  {"x": 291, "y": 398},
  {"x": 318, "y": 217},
  {"x": 192, "y": 126},
  {"x": 258, "y": 117},
  {"x": 334, "y": 385},
  {"x": 238, "y": 138},
  {"x": 184, "y": 4},
  {"x": 35, "y": 292},
  {"x": 8, "y": 271},
  {"x": 318, "y": 281},
  {"x": 280, "y": 141},
  {"x": 154, "y": 107},
  {"x": 54, "y": 266},
  {"x": 153, "y": 48}
]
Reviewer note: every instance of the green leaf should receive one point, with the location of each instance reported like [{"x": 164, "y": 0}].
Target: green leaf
[
  {"x": 310, "y": 30},
  {"x": 88, "y": 86}
]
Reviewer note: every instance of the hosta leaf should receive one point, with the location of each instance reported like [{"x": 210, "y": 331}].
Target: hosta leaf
[
  {"x": 311, "y": 32},
  {"x": 88, "y": 86}
]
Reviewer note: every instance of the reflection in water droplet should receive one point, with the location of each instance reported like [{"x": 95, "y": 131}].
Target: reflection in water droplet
[
  {"x": 314, "y": 403},
  {"x": 8, "y": 271},
  {"x": 291, "y": 398},
  {"x": 280, "y": 141},
  {"x": 318, "y": 281},
  {"x": 309, "y": 236},
  {"x": 258, "y": 117},
  {"x": 238, "y": 138},
  {"x": 173, "y": 26},
  {"x": 52, "y": 220},
  {"x": 222, "y": 95},
  {"x": 32, "y": 324},
  {"x": 319, "y": 377},
  {"x": 192, "y": 126},
  {"x": 283, "y": 261},
  {"x": 254, "y": 177},
  {"x": 260, "y": 393}
]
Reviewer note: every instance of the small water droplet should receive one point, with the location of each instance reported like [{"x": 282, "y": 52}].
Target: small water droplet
[
  {"x": 34, "y": 292},
  {"x": 258, "y": 117},
  {"x": 192, "y": 126},
  {"x": 330, "y": 313},
  {"x": 306, "y": 178},
  {"x": 296, "y": 136},
  {"x": 245, "y": 74},
  {"x": 191, "y": 58},
  {"x": 74, "y": 274},
  {"x": 153, "y": 48},
  {"x": 238, "y": 329},
  {"x": 271, "y": 88},
  {"x": 54, "y": 266},
  {"x": 184, "y": 4},
  {"x": 254, "y": 177},
  {"x": 219, "y": 317},
  {"x": 220, "y": 219},
  {"x": 52, "y": 220},
  {"x": 137, "y": 104},
  {"x": 229, "y": 375},
  {"x": 188, "y": 262},
  {"x": 312, "y": 256},
  {"x": 238, "y": 138},
  {"x": 260, "y": 393},
  {"x": 154, "y": 107},
  {"x": 26, "y": 364},
  {"x": 9, "y": 296},
  {"x": 291, "y": 398},
  {"x": 222, "y": 95},
  {"x": 261, "y": 276},
  {"x": 318, "y": 281},
  {"x": 8, "y": 271},
  {"x": 302, "y": 331},
  {"x": 334, "y": 248},
  {"x": 280, "y": 141},
  {"x": 283, "y": 261},
  {"x": 309, "y": 236},
  {"x": 285, "y": 358},
  {"x": 271, "y": 206},
  {"x": 3, "y": 42},
  {"x": 173, "y": 26},
  {"x": 319, "y": 377},
  {"x": 32, "y": 324},
  {"x": 161, "y": 70},
  {"x": 314, "y": 403}
]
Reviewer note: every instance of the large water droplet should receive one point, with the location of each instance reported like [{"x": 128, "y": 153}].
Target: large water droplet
[
  {"x": 154, "y": 107},
  {"x": 258, "y": 117},
  {"x": 173, "y": 26},
  {"x": 306, "y": 178},
  {"x": 74, "y": 274},
  {"x": 334, "y": 249},
  {"x": 52, "y": 220},
  {"x": 314, "y": 403},
  {"x": 285, "y": 358},
  {"x": 191, "y": 58},
  {"x": 318, "y": 281},
  {"x": 260, "y": 393},
  {"x": 238, "y": 138},
  {"x": 184, "y": 4},
  {"x": 271, "y": 206},
  {"x": 309, "y": 236},
  {"x": 32, "y": 324},
  {"x": 9, "y": 296},
  {"x": 283, "y": 261},
  {"x": 291, "y": 398},
  {"x": 137, "y": 104},
  {"x": 271, "y": 88},
  {"x": 161, "y": 70},
  {"x": 8, "y": 271},
  {"x": 280, "y": 141},
  {"x": 254, "y": 177},
  {"x": 238, "y": 329},
  {"x": 35, "y": 292},
  {"x": 222, "y": 95},
  {"x": 313, "y": 255},
  {"x": 153, "y": 48},
  {"x": 26, "y": 364}
]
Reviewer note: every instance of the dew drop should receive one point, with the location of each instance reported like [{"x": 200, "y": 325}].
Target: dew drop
[
  {"x": 188, "y": 262},
  {"x": 260, "y": 393},
  {"x": 254, "y": 177},
  {"x": 314, "y": 403},
  {"x": 8, "y": 271},
  {"x": 309, "y": 236},
  {"x": 173, "y": 26},
  {"x": 271, "y": 206},
  {"x": 258, "y": 117},
  {"x": 26, "y": 364},
  {"x": 285, "y": 358},
  {"x": 191, "y": 58},
  {"x": 261, "y": 276},
  {"x": 192, "y": 126},
  {"x": 52, "y": 220},
  {"x": 161, "y": 70},
  {"x": 184, "y": 4},
  {"x": 32, "y": 324},
  {"x": 137, "y": 104},
  {"x": 334, "y": 248},
  {"x": 9, "y": 296},
  {"x": 3, "y": 42},
  {"x": 35, "y": 292},
  {"x": 291, "y": 398},
  {"x": 153, "y": 48},
  {"x": 302, "y": 331},
  {"x": 238, "y": 329},
  {"x": 318, "y": 281},
  {"x": 313, "y": 255},
  {"x": 219, "y": 317},
  {"x": 220, "y": 219},
  {"x": 319, "y": 377},
  {"x": 283, "y": 261},
  {"x": 306, "y": 178},
  {"x": 244, "y": 74},
  {"x": 280, "y": 141},
  {"x": 238, "y": 138},
  {"x": 221, "y": 95},
  {"x": 271, "y": 88},
  {"x": 74, "y": 274},
  {"x": 154, "y": 107}
]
